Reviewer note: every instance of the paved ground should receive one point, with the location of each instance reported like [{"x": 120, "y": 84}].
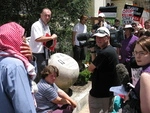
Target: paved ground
[
  {"x": 80, "y": 95},
  {"x": 85, "y": 109}
]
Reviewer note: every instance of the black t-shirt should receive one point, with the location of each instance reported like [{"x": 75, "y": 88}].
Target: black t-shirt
[
  {"x": 95, "y": 26},
  {"x": 104, "y": 76}
]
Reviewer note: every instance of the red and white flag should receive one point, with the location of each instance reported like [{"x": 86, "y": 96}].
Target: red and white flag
[{"x": 142, "y": 22}]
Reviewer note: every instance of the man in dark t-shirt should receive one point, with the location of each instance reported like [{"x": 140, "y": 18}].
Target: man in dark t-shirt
[
  {"x": 101, "y": 23},
  {"x": 103, "y": 68}
]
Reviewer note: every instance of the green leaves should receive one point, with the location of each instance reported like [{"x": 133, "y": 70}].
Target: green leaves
[
  {"x": 64, "y": 13},
  {"x": 83, "y": 78}
]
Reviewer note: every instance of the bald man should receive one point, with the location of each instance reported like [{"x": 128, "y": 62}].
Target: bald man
[{"x": 39, "y": 31}]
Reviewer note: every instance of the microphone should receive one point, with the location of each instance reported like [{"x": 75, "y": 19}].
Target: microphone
[
  {"x": 83, "y": 36},
  {"x": 123, "y": 75}
]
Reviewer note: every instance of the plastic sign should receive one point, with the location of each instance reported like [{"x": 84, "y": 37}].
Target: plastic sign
[{"x": 127, "y": 16}]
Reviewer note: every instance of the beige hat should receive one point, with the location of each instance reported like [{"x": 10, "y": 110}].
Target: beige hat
[
  {"x": 128, "y": 26},
  {"x": 101, "y": 15},
  {"x": 101, "y": 32}
]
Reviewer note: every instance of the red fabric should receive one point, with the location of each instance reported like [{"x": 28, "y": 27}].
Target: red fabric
[
  {"x": 142, "y": 22},
  {"x": 10, "y": 41},
  {"x": 11, "y": 38},
  {"x": 52, "y": 47},
  {"x": 122, "y": 96}
]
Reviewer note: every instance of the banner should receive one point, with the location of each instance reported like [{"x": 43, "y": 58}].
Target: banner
[
  {"x": 137, "y": 11},
  {"x": 110, "y": 12},
  {"x": 127, "y": 16}
]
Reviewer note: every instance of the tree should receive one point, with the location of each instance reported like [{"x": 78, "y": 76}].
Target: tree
[{"x": 64, "y": 14}]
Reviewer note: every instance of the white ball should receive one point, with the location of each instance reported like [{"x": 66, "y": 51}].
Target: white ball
[{"x": 68, "y": 69}]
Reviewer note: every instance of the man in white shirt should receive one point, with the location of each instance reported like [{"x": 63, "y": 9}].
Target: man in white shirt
[
  {"x": 39, "y": 30},
  {"x": 78, "y": 49}
]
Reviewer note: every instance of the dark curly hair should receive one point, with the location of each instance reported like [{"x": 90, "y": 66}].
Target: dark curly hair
[{"x": 49, "y": 70}]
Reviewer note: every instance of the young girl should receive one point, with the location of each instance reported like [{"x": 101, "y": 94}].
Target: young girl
[{"x": 142, "y": 57}]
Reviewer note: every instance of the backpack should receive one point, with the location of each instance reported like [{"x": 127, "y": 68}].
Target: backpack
[
  {"x": 115, "y": 104},
  {"x": 132, "y": 105}
]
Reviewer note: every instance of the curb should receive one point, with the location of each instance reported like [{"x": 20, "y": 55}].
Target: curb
[{"x": 80, "y": 95}]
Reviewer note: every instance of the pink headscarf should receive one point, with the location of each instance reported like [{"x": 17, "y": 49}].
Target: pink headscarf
[{"x": 11, "y": 38}]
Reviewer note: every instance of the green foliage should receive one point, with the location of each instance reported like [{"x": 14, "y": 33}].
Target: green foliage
[
  {"x": 87, "y": 58},
  {"x": 64, "y": 15},
  {"x": 83, "y": 78}
]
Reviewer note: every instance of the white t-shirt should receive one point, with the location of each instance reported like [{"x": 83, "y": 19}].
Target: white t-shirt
[
  {"x": 79, "y": 28},
  {"x": 107, "y": 25},
  {"x": 38, "y": 29},
  {"x": 135, "y": 75}
]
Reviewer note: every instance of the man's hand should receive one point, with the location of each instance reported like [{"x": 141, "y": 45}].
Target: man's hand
[
  {"x": 26, "y": 51},
  {"x": 54, "y": 36},
  {"x": 73, "y": 104},
  {"x": 92, "y": 49}
]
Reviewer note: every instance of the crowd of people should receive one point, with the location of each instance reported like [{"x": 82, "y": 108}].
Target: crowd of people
[
  {"x": 133, "y": 52},
  {"x": 105, "y": 57},
  {"x": 21, "y": 64}
]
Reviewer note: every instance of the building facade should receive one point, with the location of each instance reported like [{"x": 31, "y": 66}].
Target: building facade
[
  {"x": 143, "y": 3},
  {"x": 96, "y": 4},
  {"x": 146, "y": 5}
]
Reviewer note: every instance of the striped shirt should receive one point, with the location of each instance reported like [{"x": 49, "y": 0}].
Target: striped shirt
[{"x": 45, "y": 95}]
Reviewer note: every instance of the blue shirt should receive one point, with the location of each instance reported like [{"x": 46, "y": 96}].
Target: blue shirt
[
  {"x": 45, "y": 95},
  {"x": 15, "y": 90}
]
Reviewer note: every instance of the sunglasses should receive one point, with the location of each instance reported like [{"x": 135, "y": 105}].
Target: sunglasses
[{"x": 102, "y": 32}]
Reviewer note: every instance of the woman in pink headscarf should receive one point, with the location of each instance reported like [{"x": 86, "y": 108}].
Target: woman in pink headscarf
[{"x": 16, "y": 71}]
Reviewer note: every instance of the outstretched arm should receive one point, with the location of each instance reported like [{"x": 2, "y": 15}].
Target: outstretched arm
[{"x": 65, "y": 96}]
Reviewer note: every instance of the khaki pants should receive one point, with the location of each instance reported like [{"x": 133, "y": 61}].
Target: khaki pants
[{"x": 98, "y": 105}]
